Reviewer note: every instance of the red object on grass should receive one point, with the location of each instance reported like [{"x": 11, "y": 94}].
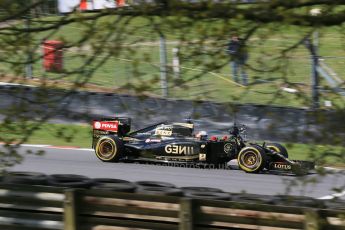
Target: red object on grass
[
  {"x": 52, "y": 56},
  {"x": 83, "y": 5},
  {"x": 120, "y": 3}
]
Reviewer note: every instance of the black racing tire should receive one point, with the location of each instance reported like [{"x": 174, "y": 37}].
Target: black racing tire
[
  {"x": 278, "y": 148},
  {"x": 252, "y": 198},
  {"x": 155, "y": 184},
  {"x": 116, "y": 185},
  {"x": 300, "y": 201},
  {"x": 100, "y": 181},
  {"x": 335, "y": 204},
  {"x": 109, "y": 148},
  {"x": 208, "y": 195},
  {"x": 21, "y": 177},
  {"x": 252, "y": 159},
  {"x": 69, "y": 181},
  {"x": 200, "y": 189},
  {"x": 160, "y": 191}
]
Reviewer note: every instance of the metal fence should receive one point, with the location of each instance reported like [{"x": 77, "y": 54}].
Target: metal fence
[
  {"x": 204, "y": 75},
  {"x": 188, "y": 81},
  {"x": 41, "y": 207}
]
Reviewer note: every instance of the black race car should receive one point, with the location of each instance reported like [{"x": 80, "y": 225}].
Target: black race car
[{"x": 176, "y": 143}]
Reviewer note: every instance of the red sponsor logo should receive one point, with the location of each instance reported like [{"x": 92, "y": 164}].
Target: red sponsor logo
[{"x": 106, "y": 125}]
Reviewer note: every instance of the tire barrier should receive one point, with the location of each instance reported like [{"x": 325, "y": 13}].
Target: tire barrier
[
  {"x": 69, "y": 181},
  {"x": 28, "y": 207},
  {"x": 253, "y": 198},
  {"x": 155, "y": 184},
  {"x": 200, "y": 189},
  {"x": 334, "y": 204},
  {"x": 30, "y": 178},
  {"x": 160, "y": 191},
  {"x": 298, "y": 201},
  {"x": 161, "y": 188},
  {"x": 114, "y": 185},
  {"x": 208, "y": 195}
]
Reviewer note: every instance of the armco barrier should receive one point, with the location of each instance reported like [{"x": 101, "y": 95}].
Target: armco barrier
[
  {"x": 28, "y": 207},
  {"x": 264, "y": 122}
]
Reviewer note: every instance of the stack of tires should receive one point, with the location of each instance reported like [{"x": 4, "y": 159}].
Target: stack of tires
[{"x": 160, "y": 188}]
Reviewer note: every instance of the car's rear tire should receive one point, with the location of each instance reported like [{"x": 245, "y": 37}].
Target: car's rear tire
[
  {"x": 252, "y": 159},
  {"x": 109, "y": 148},
  {"x": 278, "y": 148}
]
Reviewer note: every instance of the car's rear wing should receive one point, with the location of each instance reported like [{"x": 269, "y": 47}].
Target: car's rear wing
[{"x": 119, "y": 126}]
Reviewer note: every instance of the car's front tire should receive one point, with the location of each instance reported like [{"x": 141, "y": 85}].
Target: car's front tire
[
  {"x": 109, "y": 148},
  {"x": 252, "y": 159}
]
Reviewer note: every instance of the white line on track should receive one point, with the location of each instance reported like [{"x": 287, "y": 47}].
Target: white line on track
[
  {"x": 35, "y": 146},
  {"x": 334, "y": 169},
  {"x": 55, "y": 147},
  {"x": 332, "y": 196},
  {"x": 69, "y": 148},
  {"x": 15, "y": 84}
]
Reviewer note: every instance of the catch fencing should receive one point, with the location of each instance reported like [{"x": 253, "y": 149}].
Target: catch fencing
[{"x": 27, "y": 207}]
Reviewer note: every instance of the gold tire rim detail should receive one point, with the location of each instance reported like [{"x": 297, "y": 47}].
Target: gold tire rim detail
[
  {"x": 251, "y": 160},
  {"x": 106, "y": 149}
]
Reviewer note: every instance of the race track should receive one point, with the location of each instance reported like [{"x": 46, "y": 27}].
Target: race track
[{"x": 84, "y": 162}]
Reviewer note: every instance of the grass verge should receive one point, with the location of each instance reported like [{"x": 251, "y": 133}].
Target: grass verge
[{"x": 205, "y": 72}]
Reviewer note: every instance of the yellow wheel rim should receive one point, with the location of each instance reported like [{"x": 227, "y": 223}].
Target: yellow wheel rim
[
  {"x": 106, "y": 149},
  {"x": 249, "y": 159}
]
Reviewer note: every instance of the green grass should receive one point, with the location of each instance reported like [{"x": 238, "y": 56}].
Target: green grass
[
  {"x": 81, "y": 136},
  {"x": 63, "y": 135},
  {"x": 59, "y": 135}
]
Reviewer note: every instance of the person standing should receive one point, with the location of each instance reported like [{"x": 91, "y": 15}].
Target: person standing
[{"x": 239, "y": 56}]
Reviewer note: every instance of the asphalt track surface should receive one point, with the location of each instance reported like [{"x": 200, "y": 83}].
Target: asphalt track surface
[{"x": 84, "y": 162}]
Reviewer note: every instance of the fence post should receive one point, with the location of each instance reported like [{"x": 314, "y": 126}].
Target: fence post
[
  {"x": 314, "y": 73},
  {"x": 187, "y": 212},
  {"x": 176, "y": 63},
  {"x": 70, "y": 210},
  {"x": 313, "y": 220},
  {"x": 28, "y": 64},
  {"x": 163, "y": 65}
]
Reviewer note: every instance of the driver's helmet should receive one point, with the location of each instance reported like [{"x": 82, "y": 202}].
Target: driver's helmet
[
  {"x": 235, "y": 131},
  {"x": 201, "y": 135}
]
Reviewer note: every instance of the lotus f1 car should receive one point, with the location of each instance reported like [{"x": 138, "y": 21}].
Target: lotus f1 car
[{"x": 176, "y": 143}]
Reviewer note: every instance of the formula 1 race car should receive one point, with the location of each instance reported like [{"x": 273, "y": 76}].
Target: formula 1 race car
[{"x": 176, "y": 143}]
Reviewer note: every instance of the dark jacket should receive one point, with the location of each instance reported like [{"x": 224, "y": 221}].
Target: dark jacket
[{"x": 237, "y": 50}]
